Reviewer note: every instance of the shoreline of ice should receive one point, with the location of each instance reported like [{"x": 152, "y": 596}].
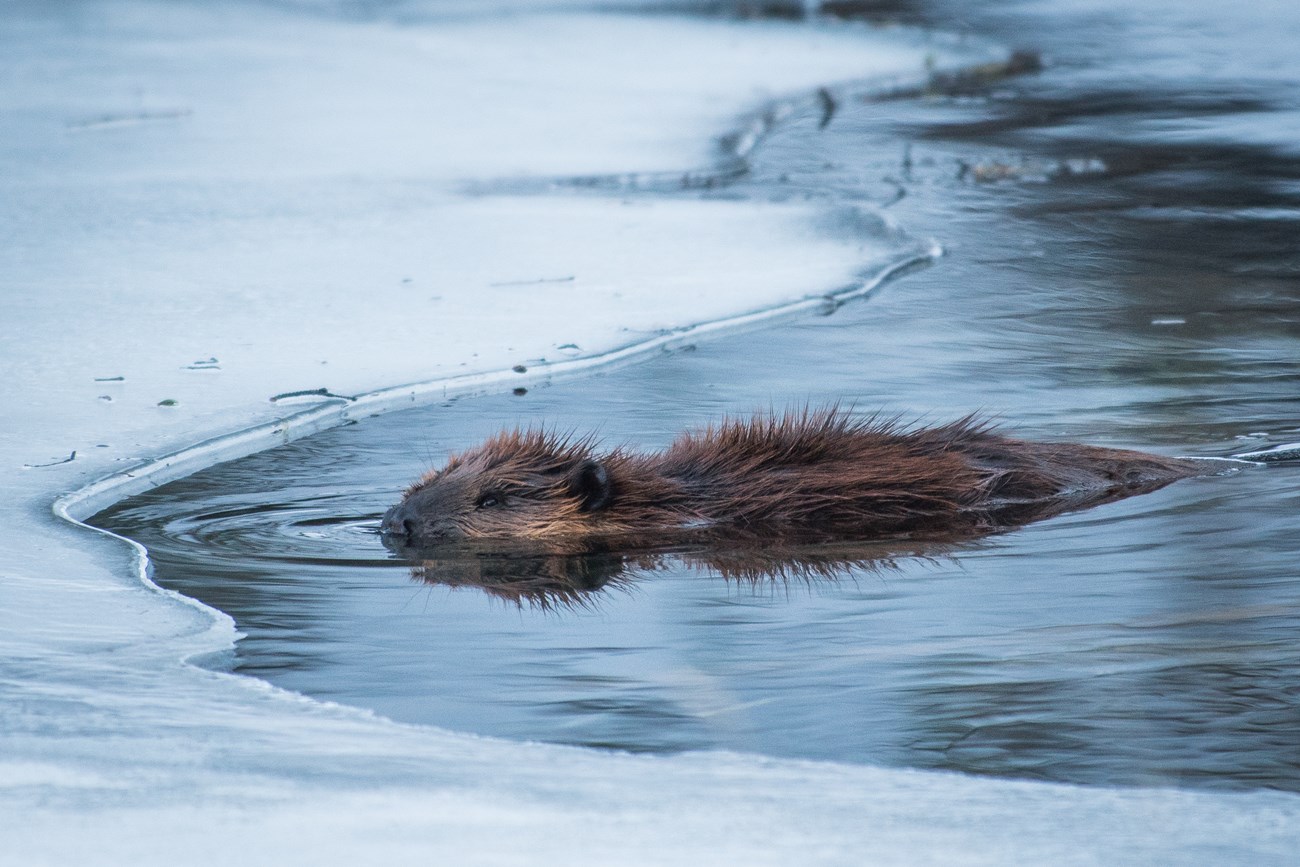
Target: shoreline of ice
[{"x": 235, "y": 239}]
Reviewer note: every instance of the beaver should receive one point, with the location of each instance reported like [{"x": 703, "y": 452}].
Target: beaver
[{"x": 803, "y": 476}]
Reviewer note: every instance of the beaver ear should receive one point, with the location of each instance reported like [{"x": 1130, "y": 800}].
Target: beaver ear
[{"x": 589, "y": 482}]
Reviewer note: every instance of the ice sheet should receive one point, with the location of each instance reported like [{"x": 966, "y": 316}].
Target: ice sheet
[{"x": 204, "y": 205}]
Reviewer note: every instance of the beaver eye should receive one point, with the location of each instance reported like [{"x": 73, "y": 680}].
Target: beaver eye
[{"x": 488, "y": 500}]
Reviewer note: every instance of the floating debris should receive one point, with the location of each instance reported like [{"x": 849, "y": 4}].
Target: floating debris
[
  {"x": 113, "y": 120},
  {"x": 309, "y": 392},
  {"x": 966, "y": 82},
  {"x": 568, "y": 279},
  {"x": 69, "y": 459},
  {"x": 1087, "y": 166},
  {"x": 828, "y": 106},
  {"x": 973, "y": 81},
  {"x": 1030, "y": 170},
  {"x": 989, "y": 172}
]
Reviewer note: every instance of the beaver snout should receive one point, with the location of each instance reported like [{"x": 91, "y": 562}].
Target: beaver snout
[
  {"x": 399, "y": 521},
  {"x": 414, "y": 522}
]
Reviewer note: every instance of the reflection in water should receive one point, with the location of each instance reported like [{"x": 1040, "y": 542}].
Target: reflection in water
[
  {"x": 578, "y": 578},
  {"x": 554, "y": 580}
]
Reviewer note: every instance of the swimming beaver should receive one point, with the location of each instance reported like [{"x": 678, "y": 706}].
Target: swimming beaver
[{"x": 804, "y": 476}]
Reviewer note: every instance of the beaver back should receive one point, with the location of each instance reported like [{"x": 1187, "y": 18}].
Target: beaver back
[{"x": 814, "y": 474}]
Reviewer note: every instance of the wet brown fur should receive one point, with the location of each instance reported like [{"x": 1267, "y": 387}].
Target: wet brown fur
[{"x": 808, "y": 476}]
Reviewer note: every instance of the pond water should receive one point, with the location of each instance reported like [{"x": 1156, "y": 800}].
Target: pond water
[{"x": 1122, "y": 269}]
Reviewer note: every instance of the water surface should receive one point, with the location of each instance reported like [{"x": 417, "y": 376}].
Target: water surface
[{"x": 1122, "y": 269}]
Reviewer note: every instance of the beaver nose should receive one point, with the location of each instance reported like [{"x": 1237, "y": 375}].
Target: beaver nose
[{"x": 397, "y": 522}]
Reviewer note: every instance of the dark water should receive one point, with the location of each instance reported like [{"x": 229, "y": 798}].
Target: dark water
[{"x": 1124, "y": 269}]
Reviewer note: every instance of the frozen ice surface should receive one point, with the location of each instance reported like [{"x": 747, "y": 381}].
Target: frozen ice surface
[{"x": 203, "y": 205}]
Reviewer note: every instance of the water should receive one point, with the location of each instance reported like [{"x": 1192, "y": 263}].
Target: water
[{"x": 1122, "y": 270}]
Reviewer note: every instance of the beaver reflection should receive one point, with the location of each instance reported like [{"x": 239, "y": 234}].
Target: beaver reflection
[
  {"x": 544, "y": 579},
  {"x": 578, "y": 579}
]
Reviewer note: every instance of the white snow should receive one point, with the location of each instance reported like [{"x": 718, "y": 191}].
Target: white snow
[{"x": 283, "y": 191}]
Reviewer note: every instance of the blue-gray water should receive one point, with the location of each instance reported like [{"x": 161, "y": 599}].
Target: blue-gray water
[{"x": 1123, "y": 269}]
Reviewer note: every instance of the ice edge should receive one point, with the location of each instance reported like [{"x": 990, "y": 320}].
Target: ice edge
[{"x": 79, "y": 505}]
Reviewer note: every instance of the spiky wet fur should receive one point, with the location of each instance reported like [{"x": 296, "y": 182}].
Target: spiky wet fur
[{"x": 810, "y": 475}]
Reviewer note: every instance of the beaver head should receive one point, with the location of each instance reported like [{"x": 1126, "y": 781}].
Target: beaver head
[{"x": 518, "y": 484}]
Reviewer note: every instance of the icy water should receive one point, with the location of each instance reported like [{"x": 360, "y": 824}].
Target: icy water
[{"x": 1122, "y": 233}]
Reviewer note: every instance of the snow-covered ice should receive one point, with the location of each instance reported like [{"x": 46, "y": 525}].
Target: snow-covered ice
[{"x": 203, "y": 205}]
